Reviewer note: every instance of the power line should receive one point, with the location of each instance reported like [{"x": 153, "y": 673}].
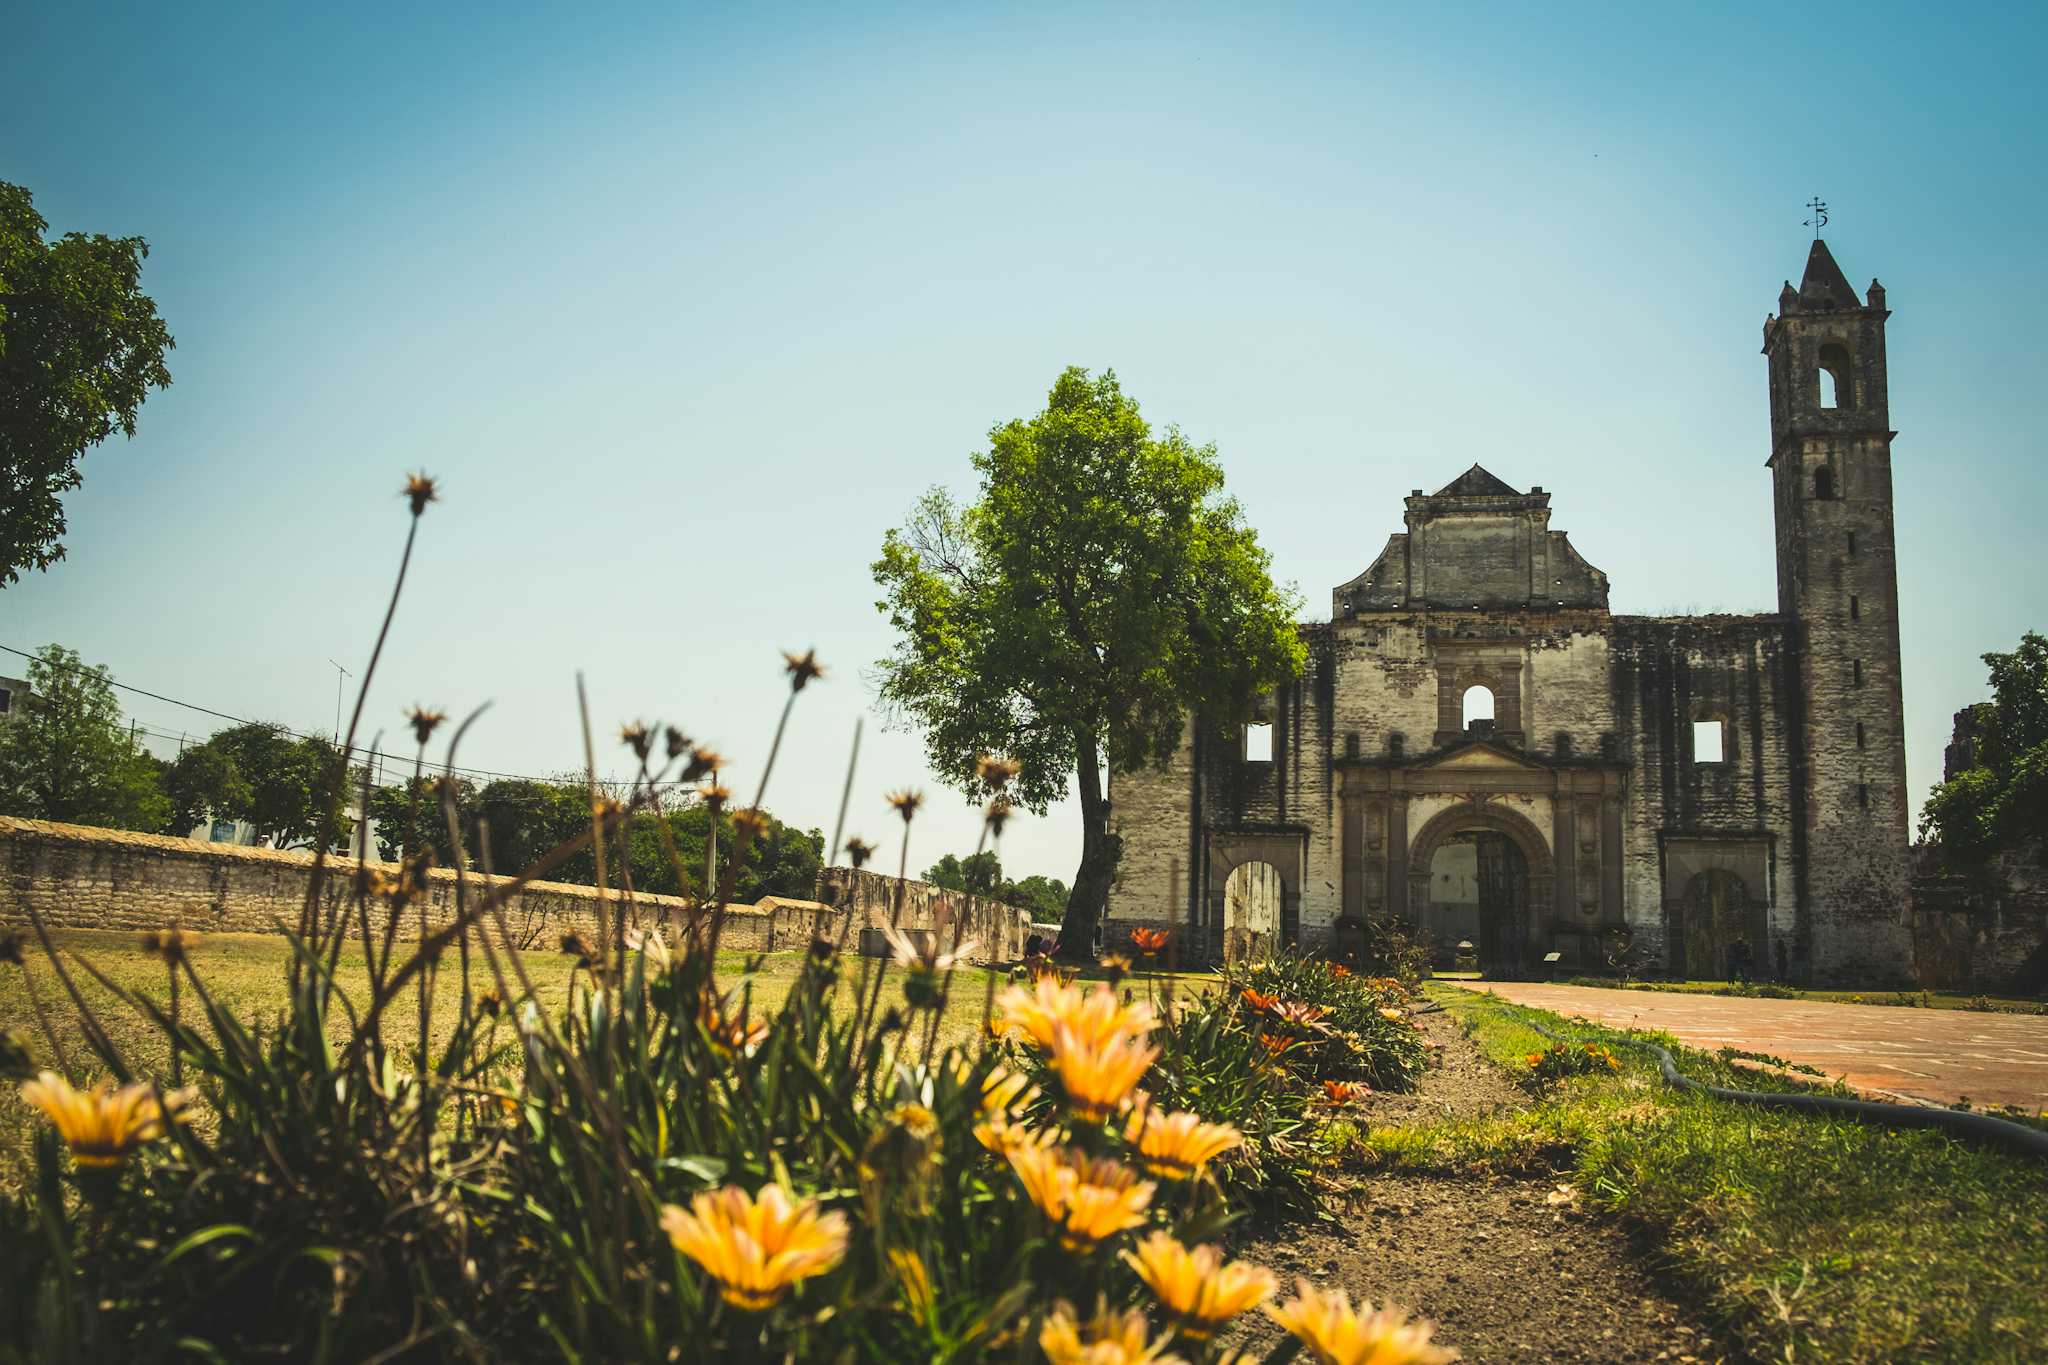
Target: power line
[{"x": 295, "y": 734}]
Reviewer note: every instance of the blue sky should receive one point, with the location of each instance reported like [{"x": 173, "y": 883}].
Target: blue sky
[{"x": 685, "y": 305}]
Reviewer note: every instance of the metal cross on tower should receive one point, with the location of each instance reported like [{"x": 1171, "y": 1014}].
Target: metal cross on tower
[{"x": 1820, "y": 216}]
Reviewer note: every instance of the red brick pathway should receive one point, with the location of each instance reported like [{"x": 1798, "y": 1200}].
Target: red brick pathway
[{"x": 1942, "y": 1055}]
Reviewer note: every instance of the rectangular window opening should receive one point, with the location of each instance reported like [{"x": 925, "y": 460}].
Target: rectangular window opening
[
  {"x": 1852, "y": 543},
  {"x": 1258, "y": 742},
  {"x": 1856, "y": 672},
  {"x": 1863, "y": 795},
  {"x": 1708, "y": 741},
  {"x": 1859, "y": 734},
  {"x": 1855, "y": 608}
]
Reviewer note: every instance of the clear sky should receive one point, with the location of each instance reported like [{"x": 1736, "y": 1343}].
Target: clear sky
[{"x": 685, "y": 305}]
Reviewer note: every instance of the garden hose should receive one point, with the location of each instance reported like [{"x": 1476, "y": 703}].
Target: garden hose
[{"x": 1980, "y": 1128}]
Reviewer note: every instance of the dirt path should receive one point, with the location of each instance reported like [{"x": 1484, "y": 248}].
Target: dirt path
[
  {"x": 1940, "y": 1055},
  {"x": 1507, "y": 1274}
]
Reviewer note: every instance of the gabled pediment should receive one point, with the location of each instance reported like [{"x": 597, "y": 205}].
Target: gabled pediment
[{"x": 1482, "y": 755}]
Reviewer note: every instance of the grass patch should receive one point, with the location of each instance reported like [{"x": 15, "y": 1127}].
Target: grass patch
[{"x": 1805, "y": 1238}]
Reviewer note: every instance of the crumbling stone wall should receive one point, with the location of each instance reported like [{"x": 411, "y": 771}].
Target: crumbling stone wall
[{"x": 79, "y": 877}]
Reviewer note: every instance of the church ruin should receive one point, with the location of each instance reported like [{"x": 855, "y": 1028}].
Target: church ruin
[{"x": 1480, "y": 750}]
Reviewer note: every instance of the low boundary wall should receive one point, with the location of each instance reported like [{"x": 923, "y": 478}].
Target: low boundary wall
[{"x": 82, "y": 877}]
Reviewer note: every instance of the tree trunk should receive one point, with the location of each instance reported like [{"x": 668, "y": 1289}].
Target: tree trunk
[{"x": 1089, "y": 900}]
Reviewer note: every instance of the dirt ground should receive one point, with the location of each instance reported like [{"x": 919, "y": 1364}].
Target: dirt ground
[{"x": 1510, "y": 1270}]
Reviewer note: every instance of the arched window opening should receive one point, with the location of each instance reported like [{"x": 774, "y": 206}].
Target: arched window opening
[
  {"x": 1824, "y": 483},
  {"x": 1709, "y": 741},
  {"x": 1258, "y": 742},
  {"x": 1478, "y": 705},
  {"x": 1837, "y": 383}
]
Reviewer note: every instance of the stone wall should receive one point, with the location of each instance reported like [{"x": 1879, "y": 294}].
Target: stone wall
[
  {"x": 78, "y": 877},
  {"x": 1987, "y": 934},
  {"x": 952, "y": 917}
]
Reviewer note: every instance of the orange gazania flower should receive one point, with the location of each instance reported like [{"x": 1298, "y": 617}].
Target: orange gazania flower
[
  {"x": 1107, "y": 1339},
  {"x": 1339, "y": 970},
  {"x": 1095, "y": 1016},
  {"x": 1176, "y": 1146},
  {"x": 103, "y": 1125},
  {"x": 1149, "y": 942},
  {"x": 1340, "y": 1335},
  {"x": 1344, "y": 1092},
  {"x": 1274, "y": 1043},
  {"x": 1258, "y": 1002},
  {"x": 1097, "y": 1076},
  {"x": 1087, "y": 1200},
  {"x": 1198, "y": 1287},
  {"x": 1001, "y": 1134},
  {"x": 732, "y": 1033},
  {"x": 1392, "y": 1015},
  {"x": 756, "y": 1248}
]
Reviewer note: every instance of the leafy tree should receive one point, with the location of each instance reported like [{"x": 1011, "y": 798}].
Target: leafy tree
[
  {"x": 66, "y": 755},
  {"x": 1100, "y": 587},
  {"x": 203, "y": 784},
  {"x": 294, "y": 797},
  {"x": 2000, "y": 801},
  {"x": 1044, "y": 897},
  {"x": 526, "y": 818},
  {"x": 980, "y": 873},
  {"x": 81, "y": 346},
  {"x": 416, "y": 802}
]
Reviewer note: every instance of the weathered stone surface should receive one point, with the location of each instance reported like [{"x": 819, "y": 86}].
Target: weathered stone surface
[
  {"x": 1581, "y": 807},
  {"x": 77, "y": 877}
]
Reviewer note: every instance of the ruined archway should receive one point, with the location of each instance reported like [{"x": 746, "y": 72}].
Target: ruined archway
[
  {"x": 1252, "y": 898},
  {"x": 1272, "y": 889},
  {"x": 1482, "y": 874}
]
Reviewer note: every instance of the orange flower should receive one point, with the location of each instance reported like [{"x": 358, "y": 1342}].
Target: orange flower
[
  {"x": 1198, "y": 1287},
  {"x": 1392, "y": 1015},
  {"x": 1094, "y": 1015},
  {"x": 103, "y": 1125},
  {"x": 1341, "y": 1335},
  {"x": 1275, "y": 1043},
  {"x": 1107, "y": 1339},
  {"x": 1258, "y": 1002},
  {"x": 1149, "y": 942},
  {"x": 1177, "y": 1146},
  {"x": 1098, "y": 1074},
  {"x": 1087, "y": 1200},
  {"x": 731, "y": 1034},
  {"x": 1344, "y": 1092},
  {"x": 756, "y": 1249},
  {"x": 1339, "y": 970}
]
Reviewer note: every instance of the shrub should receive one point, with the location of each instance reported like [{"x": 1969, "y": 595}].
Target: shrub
[
  {"x": 1337, "y": 1025},
  {"x": 1560, "y": 1060}
]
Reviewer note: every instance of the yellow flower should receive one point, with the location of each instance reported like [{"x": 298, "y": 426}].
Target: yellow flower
[
  {"x": 1004, "y": 1091},
  {"x": 1176, "y": 1146},
  {"x": 756, "y": 1248},
  {"x": 1002, "y": 1134},
  {"x": 1392, "y": 1015},
  {"x": 103, "y": 1125},
  {"x": 1198, "y": 1287},
  {"x": 1096, "y": 1077},
  {"x": 1341, "y": 1335},
  {"x": 996, "y": 773},
  {"x": 1106, "y": 1339},
  {"x": 1096, "y": 1017},
  {"x": 1088, "y": 1200},
  {"x": 906, "y": 803}
]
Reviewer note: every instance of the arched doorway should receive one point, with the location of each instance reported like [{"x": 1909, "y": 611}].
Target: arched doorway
[
  {"x": 1252, "y": 897},
  {"x": 1714, "y": 917},
  {"x": 1479, "y": 894}
]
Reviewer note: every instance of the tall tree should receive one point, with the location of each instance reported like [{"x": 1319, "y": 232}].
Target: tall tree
[
  {"x": 80, "y": 347},
  {"x": 981, "y": 873},
  {"x": 66, "y": 755},
  {"x": 292, "y": 797},
  {"x": 1099, "y": 588},
  {"x": 1999, "y": 801},
  {"x": 203, "y": 784}
]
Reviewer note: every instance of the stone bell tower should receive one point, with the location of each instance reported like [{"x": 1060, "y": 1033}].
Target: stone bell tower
[{"x": 1831, "y": 470}]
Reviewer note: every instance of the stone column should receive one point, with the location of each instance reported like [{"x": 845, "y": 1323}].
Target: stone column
[
  {"x": 1353, "y": 814},
  {"x": 1564, "y": 850},
  {"x": 1610, "y": 858},
  {"x": 1397, "y": 906}
]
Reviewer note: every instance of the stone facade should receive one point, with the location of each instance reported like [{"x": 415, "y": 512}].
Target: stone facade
[
  {"x": 1480, "y": 750},
  {"x": 78, "y": 877}
]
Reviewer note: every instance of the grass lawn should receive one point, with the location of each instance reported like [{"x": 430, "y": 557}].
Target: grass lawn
[
  {"x": 1807, "y": 1239},
  {"x": 1934, "y": 1000},
  {"x": 245, "y": 973}
]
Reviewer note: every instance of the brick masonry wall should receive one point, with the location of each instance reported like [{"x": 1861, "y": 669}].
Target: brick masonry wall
[
  {"x": 1985, "y": 933},
  {"x": 78, "y": 877}
]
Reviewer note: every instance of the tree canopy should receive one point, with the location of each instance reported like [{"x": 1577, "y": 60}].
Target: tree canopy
[
  {"x": 1999, "y": 800},
  {"x": 982, "y": 874},
  {"x": 81, "y": 346},
  {"x": 1099, "y": 588},
  {"x": 66, "y": 755}
]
